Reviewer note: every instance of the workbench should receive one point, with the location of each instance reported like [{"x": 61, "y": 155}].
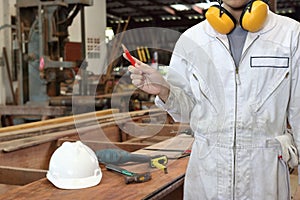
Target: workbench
[
  {"x": 112, "y": 186},
  {"x": 25, "y": 156}
]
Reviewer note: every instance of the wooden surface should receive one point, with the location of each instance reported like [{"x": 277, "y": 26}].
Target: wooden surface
[
  {"x": 112, "y": 186},
  {"x": 29, "y": 155}
]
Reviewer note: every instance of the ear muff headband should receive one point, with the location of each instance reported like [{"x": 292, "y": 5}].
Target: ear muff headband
[
  {"x": 252, "y": 17},
  {"x": 220, "y": 19}
]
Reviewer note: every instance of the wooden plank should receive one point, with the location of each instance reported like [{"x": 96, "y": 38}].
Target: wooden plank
[
  {"x": 173, "y": 148},
  {"x": 53, "y": 128},
  {"x": 38, "y": 128},
  {"x": 155, "y": 128},
  {"x": 150, "y": 140},
  {"x": 20, "y": 176},
  {"x": 85, "y": 132},
  {"x": 98, "y": 145},
  {"x": 181, "y": 142},
  {"x": 15, "y": 145},
  {"x": 58, "y": 120},
  {"x": 32, "y": 110},
  {"x": 36, "y": 157}
]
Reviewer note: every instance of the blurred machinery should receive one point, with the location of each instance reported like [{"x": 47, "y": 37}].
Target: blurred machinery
[{"x": 42, "y": 32}]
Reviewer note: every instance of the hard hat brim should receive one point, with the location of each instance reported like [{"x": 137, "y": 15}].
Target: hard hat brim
[{"x": 71, "y": 183}]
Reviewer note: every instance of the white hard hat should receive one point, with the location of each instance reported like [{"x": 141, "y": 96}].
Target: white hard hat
[{"x": 73, "y": 166}]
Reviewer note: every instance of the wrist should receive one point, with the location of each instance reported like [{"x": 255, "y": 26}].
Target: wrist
[{"x": 164, "y": 93}]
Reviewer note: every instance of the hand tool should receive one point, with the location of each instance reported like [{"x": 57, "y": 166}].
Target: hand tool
[
  {"x": 118, "y": 156},
  {"x": 130, "y": 58},
  {"x": 130, "y": 177},
  {"x": 160, "y": 162}
]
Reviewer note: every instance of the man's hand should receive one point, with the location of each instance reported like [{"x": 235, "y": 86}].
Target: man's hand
[{"x": 148, "y": 79}]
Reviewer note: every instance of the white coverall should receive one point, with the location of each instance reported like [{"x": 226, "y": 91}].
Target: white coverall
[{"x": 237, "y": 111}]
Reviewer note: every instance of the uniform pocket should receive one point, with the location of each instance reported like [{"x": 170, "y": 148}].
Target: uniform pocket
[
  {"x": 201, "y": 91},
  {"x": 284, "y": 190},
  {"x": 269, "y": 174},
  {"x": 201, "y": 180},
  {"x": 272, "y": 89}
]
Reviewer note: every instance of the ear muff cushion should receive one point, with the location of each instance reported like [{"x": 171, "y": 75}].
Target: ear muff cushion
[
  {"x": 254, "y": 16},
  {"x": 224, "y": 24}
]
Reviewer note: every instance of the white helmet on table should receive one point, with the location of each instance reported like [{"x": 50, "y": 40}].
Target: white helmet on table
[{"x": 73, "y": 166}]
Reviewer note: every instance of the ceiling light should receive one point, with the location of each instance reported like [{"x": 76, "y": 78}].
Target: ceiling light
[
  {"x": 180, "y": 7},
  {"x": 205, "y": 6}
]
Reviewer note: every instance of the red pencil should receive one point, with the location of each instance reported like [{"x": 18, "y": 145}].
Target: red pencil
[{"x": 131, "y": 60}]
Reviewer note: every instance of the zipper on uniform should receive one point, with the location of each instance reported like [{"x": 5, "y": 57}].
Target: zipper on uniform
[
  {"x": 237, "y": 76},
  {"x": 237, "y": 83}
]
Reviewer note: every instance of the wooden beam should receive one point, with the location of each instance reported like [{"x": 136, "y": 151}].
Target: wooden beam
[
  {"x": 97, "y": 145},
  {"x": 20, "y": 176},
  {"x": 32, "y": 110},
  {"x": 85, "y": 133},
  {"x": 36, "y": 157},
  {"x": 154, "y": 129},
  {"x": 70, "y": 122},
  {"x": 58, "y": 120},
  {"x": 54, "y": 125}
]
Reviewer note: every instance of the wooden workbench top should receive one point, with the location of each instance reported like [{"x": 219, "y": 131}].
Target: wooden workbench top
[{"x": 112, "y": 186}]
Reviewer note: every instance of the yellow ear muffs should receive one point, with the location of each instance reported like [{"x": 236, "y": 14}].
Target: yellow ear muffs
[
  {"x": 220, "y": 19},
  {"x": 254, "y": 16}
]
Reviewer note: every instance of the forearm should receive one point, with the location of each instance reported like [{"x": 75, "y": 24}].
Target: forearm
[{"x": 178, "y": 104}]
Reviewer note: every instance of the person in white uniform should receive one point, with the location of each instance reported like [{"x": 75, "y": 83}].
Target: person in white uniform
[{"x": 235, "y": 78}]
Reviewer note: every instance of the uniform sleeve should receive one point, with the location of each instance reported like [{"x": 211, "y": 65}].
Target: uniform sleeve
[
  {"x": 180, "y": 102},
  {"x": 294, "y": 105}
]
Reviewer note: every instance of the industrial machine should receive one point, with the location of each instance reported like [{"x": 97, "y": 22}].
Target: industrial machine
[{"x": 42, "y": 33}]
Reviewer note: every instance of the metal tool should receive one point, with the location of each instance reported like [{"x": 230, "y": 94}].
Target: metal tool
[
  {"x": 130, "y": 177},
  {"x": 118, "y": 156}
]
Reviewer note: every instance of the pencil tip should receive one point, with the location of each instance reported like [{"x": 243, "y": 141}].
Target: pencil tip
[{"x": 123, "y": 46}]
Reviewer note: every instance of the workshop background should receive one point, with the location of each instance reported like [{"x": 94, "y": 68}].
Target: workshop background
[
  {"x": 61, "y": 65},
  {"x": 51, "y": 50}
]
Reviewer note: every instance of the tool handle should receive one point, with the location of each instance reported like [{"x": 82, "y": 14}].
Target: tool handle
[
  {"x": 120, "y": 170},
  {"x": 118, "y": 156},
  {"x": 138, "y": 178}
]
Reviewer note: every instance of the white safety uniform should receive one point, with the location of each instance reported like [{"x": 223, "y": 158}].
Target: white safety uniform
[{"x": 237, "y": 111}]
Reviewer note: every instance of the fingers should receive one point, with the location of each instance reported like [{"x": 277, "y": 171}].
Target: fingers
[
  {"x": 134, "y": 70},
  {"x": 137, "y": 78}
]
